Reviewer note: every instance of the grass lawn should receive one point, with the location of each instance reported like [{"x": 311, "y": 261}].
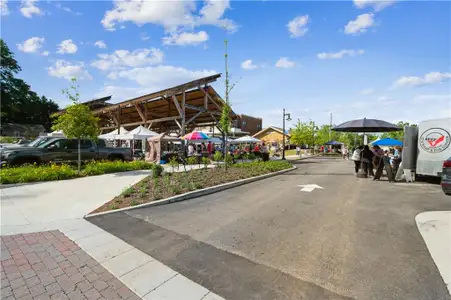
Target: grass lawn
[{"x": 171, "y": 184}]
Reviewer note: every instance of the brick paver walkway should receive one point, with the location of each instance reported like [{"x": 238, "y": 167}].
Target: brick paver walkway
[{"x": 48, "y": 265}]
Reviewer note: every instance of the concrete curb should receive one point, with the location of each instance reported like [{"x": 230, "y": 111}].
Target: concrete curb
[{"x": 194, "y": 194}]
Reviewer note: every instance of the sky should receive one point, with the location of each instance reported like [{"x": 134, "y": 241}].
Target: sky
[{"x": 388, "y": 59}]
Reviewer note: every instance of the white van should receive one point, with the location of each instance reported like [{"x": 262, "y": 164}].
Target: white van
[{"x": 434, "y": 148}]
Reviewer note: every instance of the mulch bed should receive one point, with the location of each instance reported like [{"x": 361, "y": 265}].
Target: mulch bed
[{"x": 171, "y": 184}]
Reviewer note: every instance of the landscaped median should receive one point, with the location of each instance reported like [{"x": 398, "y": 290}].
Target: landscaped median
[
  {"x": 192, "y": 184},
  {"x": 34, "y": 173}
]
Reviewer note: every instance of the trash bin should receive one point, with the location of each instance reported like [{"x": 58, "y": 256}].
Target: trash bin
[{"x": 265, "y": 156}]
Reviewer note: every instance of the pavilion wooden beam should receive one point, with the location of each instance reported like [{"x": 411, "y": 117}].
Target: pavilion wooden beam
[
  {"x": 211, "y": 99},
  {"x": 178, "y": 124},
  {"x": 177, "y": 105},
  {"x": 118, "y": 120},
  {"x": 193, "y": 117},
  {"x": 140, "y": 112},
  {"x": 148, "y": 121}
]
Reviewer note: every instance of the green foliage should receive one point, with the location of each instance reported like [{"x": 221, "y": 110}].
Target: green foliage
[
  {"x": 34, "y": 173},
  {"x": 192, "y": 160},
  {"x": 157, "y": 170},
  {"x": 105, "y": 167},
  {"x": 173, "y": 162},
  {"x": 217, "y": 156},
  {"x": 228, "y": 159},
  {"x": 267, "y": 166},
  {"x": 78, "y": 121},
  {"x": 19, "y": 104},
  {"x": 397, "y": 135},
  {"x": 8, "y": 139},
  {"x": 205, "y": 161},
  {"x": 143, "y": 190},
  {"x": 127, "y": 192},
  {"x": 304, "y": 133}
]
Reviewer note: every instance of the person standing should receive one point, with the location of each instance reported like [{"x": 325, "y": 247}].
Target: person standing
[
  {"x": 367, "y": 159},
  {"x": 190, "y": 149},
  {"x": 345, "y": 153},
  {"x": 210, "y": 148},
  {"x": 356, "y": 157}
]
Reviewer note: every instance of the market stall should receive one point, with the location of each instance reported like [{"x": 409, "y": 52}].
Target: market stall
[{"x": 162, "y": 147}]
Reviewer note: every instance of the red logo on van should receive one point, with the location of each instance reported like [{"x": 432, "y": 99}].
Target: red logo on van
[{"x": 435, "y": 140}]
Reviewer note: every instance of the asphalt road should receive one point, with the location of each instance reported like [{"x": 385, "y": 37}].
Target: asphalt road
[{"x": 355, "y": 239}]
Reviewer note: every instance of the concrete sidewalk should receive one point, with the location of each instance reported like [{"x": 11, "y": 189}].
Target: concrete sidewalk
[{"x": 61, "y": 205}]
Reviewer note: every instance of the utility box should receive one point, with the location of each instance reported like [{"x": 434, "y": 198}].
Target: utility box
[
  {"x": 410, "y": 148},
  {"x": 434, "y": 148}
]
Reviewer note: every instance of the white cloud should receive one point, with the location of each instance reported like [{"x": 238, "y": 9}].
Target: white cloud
[
  {"x": 159, "y": 77},
  {"x": 68, "y": 70},
  {"x": 185, "y": 38},
  {"x": 368, "y": 91},
  {"x": 248, "y": 65},
  {"x": 4, "y": 8},
  {"x": 144, "y": 36},
  {"x": 28, "y": 8},
  {"x": 340, "y": 54},
  {"x": 100, "y": 44},
  {"x": 377, "y": 5},
  {"x": 284, "y": 62},
  {"x": 360, "y": 24},
  {"x": 31, "y": 45},
  {"x": 124, "y": 58},
  {"x": 45, "y": 53},
  {"x": 429, "y": 78},
  {"x": 171, "y": 16},
  {"x": 67, "y": 9},
  {"x": 120, "y": 93},
  {"x": 67, "y": 46},
  {"x": 298, "y": 26}
]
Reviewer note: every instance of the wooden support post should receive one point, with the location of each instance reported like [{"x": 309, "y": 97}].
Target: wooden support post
[
  {"x": 183, "y": 119},
  {"x": 118, "y": 120},
  {"x": 178, "y": 123},
  {"x": 206, "y": 101}
]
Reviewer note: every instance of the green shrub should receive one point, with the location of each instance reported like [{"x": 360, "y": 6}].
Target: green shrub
[
  {"x": 127, "y": 192},
  {"x": 173, "y": 162},
  {"x": 34, "y": 173},
  {"x": 217, "y": 156},
  {"x": 8, "y": 139},
  {"x": 157, "y": 170},
  {"x": 229, "y": 159},
  {"x": 205, "y": 161},
  {"x": 192, "y": 160},
  {"x": 105, "y": 167}
]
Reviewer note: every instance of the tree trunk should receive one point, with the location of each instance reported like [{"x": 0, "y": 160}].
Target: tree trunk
[{"x": 79, "y": 157}]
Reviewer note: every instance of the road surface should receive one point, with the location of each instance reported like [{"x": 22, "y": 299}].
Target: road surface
[{"x": 353, "y": 239}]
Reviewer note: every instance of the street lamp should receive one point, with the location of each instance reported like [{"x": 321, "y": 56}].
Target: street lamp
[{"x": 287, "y": 117}]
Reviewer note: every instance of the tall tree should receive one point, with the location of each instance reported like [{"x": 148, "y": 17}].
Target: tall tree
[
  {"x": 397, "y": 135},
  {"x": 77, "y": 121},
  {"x": 19, "y": 104},
  {"x": 304, "y": 133}
]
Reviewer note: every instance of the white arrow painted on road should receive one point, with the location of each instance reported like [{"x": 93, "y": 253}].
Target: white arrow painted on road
[{"x": 309, "y": 187}]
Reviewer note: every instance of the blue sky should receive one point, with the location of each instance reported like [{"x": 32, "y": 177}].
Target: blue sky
[{"x": 388, "y": 60}]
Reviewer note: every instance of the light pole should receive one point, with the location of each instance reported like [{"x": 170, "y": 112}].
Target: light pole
[{"x": 286, "y": 116}]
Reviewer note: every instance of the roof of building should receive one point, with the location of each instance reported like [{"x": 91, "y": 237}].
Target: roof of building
[
  {"x": 278, "y": 129},
  {"x": 163, "y": 109}
]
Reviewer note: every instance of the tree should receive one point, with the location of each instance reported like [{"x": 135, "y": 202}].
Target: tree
[
  {"x": 397, "y": 135},
  {"x": 304, "y": 133},
  {"x": 77, "y": 121},
  {"x": 19, "y": 104}
]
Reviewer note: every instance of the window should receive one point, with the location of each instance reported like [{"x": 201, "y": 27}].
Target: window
[
  {"x": 85, "y": 144},
  {"x": 259, "y": 126},
  {"x": 65, "y": 144},
  {"x": 244, "y": 123}
]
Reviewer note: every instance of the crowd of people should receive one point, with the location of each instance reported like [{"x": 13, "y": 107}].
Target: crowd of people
[
  {"x": 371, "y": 159},
  {"x": 209, "y": 149}
]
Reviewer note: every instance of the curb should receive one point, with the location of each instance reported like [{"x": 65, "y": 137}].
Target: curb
[{"x": 194, "y": 194}]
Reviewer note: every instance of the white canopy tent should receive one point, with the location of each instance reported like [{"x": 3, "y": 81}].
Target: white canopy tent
[
  {"x": 139, "y": 133},
  {"x": 245, "y": 139},
  {"x": 57, "y": 133},
  {"x": 112, "y": 135}
]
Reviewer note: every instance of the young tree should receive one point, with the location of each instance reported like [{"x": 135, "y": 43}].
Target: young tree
[
  {"x": 224, "y": 122},
  {"x": 77, "y": 121}
]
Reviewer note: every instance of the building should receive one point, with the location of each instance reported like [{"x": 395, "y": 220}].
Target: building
[
  {"x": 21, "y": 130},
  {"x": 272, "y": 135},
  {"x": 250, "y": 125}
]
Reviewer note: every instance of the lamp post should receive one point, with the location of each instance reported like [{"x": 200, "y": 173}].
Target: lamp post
[{"x": 286, "y": 116}]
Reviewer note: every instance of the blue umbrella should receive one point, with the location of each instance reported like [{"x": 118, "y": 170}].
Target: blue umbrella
[
  {"x": 387, "y": 142},
  {"x": 333, "y": 143}
]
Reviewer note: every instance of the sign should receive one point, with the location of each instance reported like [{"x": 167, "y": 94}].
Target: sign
[
  {"x": 309, "y": 187},
  {"x": 435, "y": 140}
]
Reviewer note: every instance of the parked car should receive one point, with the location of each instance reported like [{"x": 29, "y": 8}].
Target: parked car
[
  {"x": 446, "y": 177},
  {"x": 59, "y": 150}
]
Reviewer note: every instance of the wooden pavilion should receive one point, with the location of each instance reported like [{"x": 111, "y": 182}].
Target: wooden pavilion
[{"x": 178, "y": 109}]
